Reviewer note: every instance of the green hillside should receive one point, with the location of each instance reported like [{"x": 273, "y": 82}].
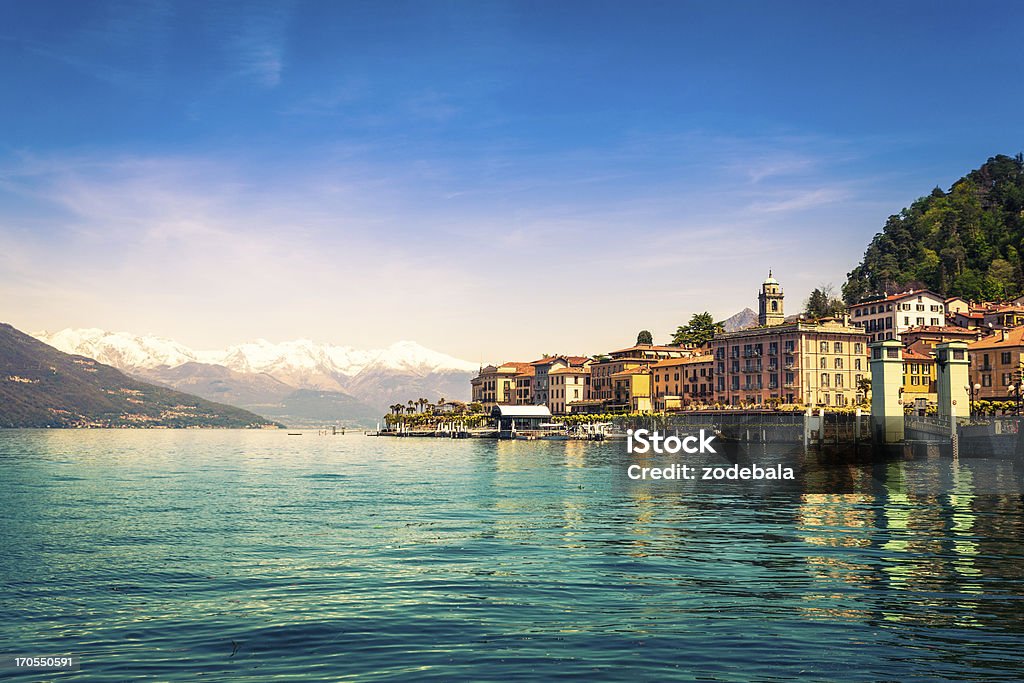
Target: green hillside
[
  {"x": 965, "y": 242},
  {"x": 43, "y": 387}
]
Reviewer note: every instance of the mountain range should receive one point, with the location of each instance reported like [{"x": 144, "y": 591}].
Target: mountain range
[
  {"x": 298, "y": 382},
  {"x": 43, "y": 387}
]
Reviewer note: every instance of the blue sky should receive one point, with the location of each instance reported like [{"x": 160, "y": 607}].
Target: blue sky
[{"x": 494, "y": 180}]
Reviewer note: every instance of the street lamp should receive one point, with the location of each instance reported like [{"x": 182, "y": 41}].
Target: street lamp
[
  {"x": 1015, "y": 392},
  {"x": 975, "y": 389}
]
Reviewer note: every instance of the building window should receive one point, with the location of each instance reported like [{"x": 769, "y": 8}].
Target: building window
[
  {"x": 824, "y": 363},
  {"x": 823, "y": 347},
  {"x": 856, "y": 364},
  {"x": 824, "y": 379},
  {"x": 986, "y": 380},
  {"x": 1005, "y": 358},
  {"x": 858, "y": 348},
  {"x": 839, "y": 380},
  {"x": 839, "y": 363},
  {"x": 838, "y": 347}
]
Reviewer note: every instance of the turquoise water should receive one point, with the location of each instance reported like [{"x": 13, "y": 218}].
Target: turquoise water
[{"x": 232, "y": 555}]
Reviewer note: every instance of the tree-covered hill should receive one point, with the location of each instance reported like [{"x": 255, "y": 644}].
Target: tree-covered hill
[
  {"x": 966, "y": 242},
  {"x": 43, "y": 387}
]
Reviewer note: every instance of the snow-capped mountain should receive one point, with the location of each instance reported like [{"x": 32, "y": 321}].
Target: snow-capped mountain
[{"x": 260, "y": 373}]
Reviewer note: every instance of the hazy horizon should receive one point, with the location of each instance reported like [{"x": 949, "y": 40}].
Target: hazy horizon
[{"x": 491, "y": 180}]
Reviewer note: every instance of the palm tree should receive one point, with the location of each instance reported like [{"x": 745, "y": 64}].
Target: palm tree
[
  {"x": 422, "y": 403},
  {"x": 440, "y": 402}
]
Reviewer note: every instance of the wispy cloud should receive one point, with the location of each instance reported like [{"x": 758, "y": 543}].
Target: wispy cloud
[
  {"x": 256, "y": 40},
  {"x": 228, "y": 247},
  {"x": 801, "y": 200}
]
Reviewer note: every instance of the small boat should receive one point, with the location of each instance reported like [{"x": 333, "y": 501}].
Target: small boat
[{"x": 553, "y": 431}]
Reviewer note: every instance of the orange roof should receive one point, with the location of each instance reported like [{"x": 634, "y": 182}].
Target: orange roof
[
  {"x": 940, "y": 330},
  {"x": 520, "y": 368},
  {"x": 1001, "y": 339},
  {"x": 672, "y": 362},
  {"x": 570, "y": 371},
  {"x": 628, "y": 372},
  {"x": 897, "y": 297},
  {"x": 918, "y": 351},
  {"x": 651, "y": 347},
  {"x": 571, "y": 360}
]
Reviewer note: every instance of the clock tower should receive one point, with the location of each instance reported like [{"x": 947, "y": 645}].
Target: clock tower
[{"x": 770, "y": 303}]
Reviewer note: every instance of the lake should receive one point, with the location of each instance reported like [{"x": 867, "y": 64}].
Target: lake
[{"x": 246, "y": 555}]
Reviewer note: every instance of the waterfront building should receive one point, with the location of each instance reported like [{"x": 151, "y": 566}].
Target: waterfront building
[
  {"x": 568, "y": 385},
  {"x": 638, "y": 356},
  {"x": 887, "y": 317},
  {"x": 524, "y": 386},
  {"x": 543, "y": 367},
  {"x": 511, "y": 419},
  {"x": 631, "y": 391},
  {"x": 679, "y": 382},
  {"x": 996, "y": 362},
  {"x": 496, "y": 384},
  {"x": 819, "y": 363},
  {"x": 769, "y": 303}
]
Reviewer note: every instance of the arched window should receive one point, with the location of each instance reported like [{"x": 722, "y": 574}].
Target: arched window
[{"x": 775, "y": 306}]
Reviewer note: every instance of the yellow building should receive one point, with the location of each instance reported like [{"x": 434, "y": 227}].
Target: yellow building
[
  {"x": 639, "y": 356},
  {"x": 918, "y": 374},
  {"x": 679, "y": 382},
  {"x": 567, "y": 385},
  {"x": 631, "y": 390}
]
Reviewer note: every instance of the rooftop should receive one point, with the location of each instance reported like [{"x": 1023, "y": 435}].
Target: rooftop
[
  {"x": 570, "y": 371},
  {"x": 1001, "y": 339},
  {"x": 899, "y": 297},
  {"x": 673, "y": 362},
  {"x": 520, "y": 411}
]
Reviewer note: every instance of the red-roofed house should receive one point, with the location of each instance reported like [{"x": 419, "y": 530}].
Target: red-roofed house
[{"x": 887, "y": 317}]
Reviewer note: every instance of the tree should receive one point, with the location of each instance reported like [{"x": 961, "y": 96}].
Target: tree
[
  {"x": 962, "y": 242},
  {"x": 699, "y": 331},
  {"x": 645, "y": 337},
  {"x": 823, "y": 303}
]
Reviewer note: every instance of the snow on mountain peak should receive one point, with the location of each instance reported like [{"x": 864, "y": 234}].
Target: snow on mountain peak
[{"x": 300, "y": 362}]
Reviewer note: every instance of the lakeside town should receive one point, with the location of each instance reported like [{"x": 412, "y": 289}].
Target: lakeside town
[{"x": 780, "y": 363}]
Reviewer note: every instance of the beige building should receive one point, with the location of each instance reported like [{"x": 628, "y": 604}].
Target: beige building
[
  {"x": 542, "y": 370},
  {"x": 680, "y": 382},
  {"x": 568, "y": 385},
  {"x": 996, "y": 363},
  {"x": 497, "y": 384},
  {"x": 806, "y": 363}
]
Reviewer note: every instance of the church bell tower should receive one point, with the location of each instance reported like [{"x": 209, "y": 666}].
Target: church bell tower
[{"x": 770, "y": 303}]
